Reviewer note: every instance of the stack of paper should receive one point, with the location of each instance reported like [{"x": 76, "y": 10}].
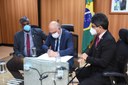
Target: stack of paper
[{"x": 46, "y": 57}]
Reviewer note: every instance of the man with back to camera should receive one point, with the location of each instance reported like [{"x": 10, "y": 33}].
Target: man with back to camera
[
  {"x": 100, "y": 55},
  {"x": 59, "y": 42},
  {"x": 24, "y": 41}
]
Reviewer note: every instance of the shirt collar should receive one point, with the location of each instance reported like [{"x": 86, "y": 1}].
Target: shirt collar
[
  {"x": 27, "y": 32},
  {"x": 101, "y": 35}
]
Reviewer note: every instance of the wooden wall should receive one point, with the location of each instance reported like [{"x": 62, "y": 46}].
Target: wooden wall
[
  {"x": 11, "y": 12},
  {"x": 66, "y": 11},
  {"x": 0, "y": 27},
  {"x": 116, "y": 21},
  {"x": 0, "y": 37}
]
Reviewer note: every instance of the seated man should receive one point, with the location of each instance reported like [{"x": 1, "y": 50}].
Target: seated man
[
  {"x": 59, "y": 42},
  {"x": 100, "y": 55},
  {"x": 24, "y": 41}
]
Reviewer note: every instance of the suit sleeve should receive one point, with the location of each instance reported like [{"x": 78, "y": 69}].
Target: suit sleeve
[
  {"x": 90, "y": 50},
  {"x": 46, "y": 44},
  {"x": 70, "y": 47},
  {"x": 107, "y": 55},
  {"x": 16, "y": 46}
]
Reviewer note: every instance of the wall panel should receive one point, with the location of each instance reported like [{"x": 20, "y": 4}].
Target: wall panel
[
  {"x": 45, "y": 14},
  {"x": 11, "y": 12},
  {"x": 0, "y": 22},
  {"x": 116, "y": 21},
  {"x": 0, "y": 37},
  {"x": 66, "y": 11}
]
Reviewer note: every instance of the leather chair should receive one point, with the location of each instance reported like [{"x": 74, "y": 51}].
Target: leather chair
[{"x": 120, "y": 77}]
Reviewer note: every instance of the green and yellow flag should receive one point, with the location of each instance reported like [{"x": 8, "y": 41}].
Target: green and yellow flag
[{"x": 87, "y": 37}]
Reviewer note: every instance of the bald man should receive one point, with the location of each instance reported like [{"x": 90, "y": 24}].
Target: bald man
[{"x": 59, "y": 42}]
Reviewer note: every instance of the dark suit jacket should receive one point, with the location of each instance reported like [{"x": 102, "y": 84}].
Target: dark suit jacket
[
  {"x": 101, "y": 57},
  {"x": 66, "y": 43},
  {"x": 38, "y": 37}
]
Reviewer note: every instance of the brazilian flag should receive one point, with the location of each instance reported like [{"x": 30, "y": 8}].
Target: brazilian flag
[{"x": 87, "y": 37}]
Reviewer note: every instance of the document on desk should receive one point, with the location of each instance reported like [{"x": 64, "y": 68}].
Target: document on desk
[{"x": 46, "y": 57}]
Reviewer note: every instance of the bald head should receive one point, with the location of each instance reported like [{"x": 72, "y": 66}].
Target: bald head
[{"x": 54, "y": 26}]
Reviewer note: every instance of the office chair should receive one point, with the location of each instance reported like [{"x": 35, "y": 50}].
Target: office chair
[
  {"x": 120, "y": 77},
  {"x": 35, "y": 26},
  {"x": 69, "y": 27}
]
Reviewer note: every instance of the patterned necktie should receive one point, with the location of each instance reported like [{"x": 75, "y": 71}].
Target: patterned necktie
[
  {"x": 57, "y": 42},
  {"x": 28, "y": 45},
  {"x": 97, "y": 41}
]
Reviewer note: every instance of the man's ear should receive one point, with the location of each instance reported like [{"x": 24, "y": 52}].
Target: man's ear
[
  {"x": 59, "y": 28},
  {"x": 100, "y": 27}
]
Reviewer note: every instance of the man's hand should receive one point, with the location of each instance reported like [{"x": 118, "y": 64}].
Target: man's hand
[
  {"x": 51, "y": 53},
  {"x": 83, "y": 57}
]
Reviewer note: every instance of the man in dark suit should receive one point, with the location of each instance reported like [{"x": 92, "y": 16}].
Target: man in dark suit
[
  {"x": 59, "y": 41},
  {"x": 100, "y": 55},
  {"x": 24, "y": 41}
]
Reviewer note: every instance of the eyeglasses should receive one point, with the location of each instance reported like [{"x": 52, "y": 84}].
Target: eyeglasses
[{"x": 25, "y": 24}]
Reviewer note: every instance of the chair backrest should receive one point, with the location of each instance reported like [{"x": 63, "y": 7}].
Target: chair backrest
[
  {"x": 122, "y": 50},
  {"x": 69, "y": 27},
  {"x": 35, "y": 26},
  {"x": 75, "y": 40}
]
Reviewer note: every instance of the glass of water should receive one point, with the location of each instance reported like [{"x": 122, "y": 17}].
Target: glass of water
[
  {"x": 34, "y": 52},
  {"x": 58, "y": 58}
]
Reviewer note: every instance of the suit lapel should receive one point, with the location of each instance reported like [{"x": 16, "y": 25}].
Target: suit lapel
[
  {"x": 102, "y": 39},
  {"x": 53, "y": 46},
  {"x": 33, "y": 36},
  {"x": 62, "y": 38},
  {"x": 22, "y": 39}
]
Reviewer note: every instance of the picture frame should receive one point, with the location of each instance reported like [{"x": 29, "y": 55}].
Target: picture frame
[{"x": 119, "y": 6}]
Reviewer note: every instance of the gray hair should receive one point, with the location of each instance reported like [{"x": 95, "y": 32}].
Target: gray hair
[{"x": 24, "y": 19}]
